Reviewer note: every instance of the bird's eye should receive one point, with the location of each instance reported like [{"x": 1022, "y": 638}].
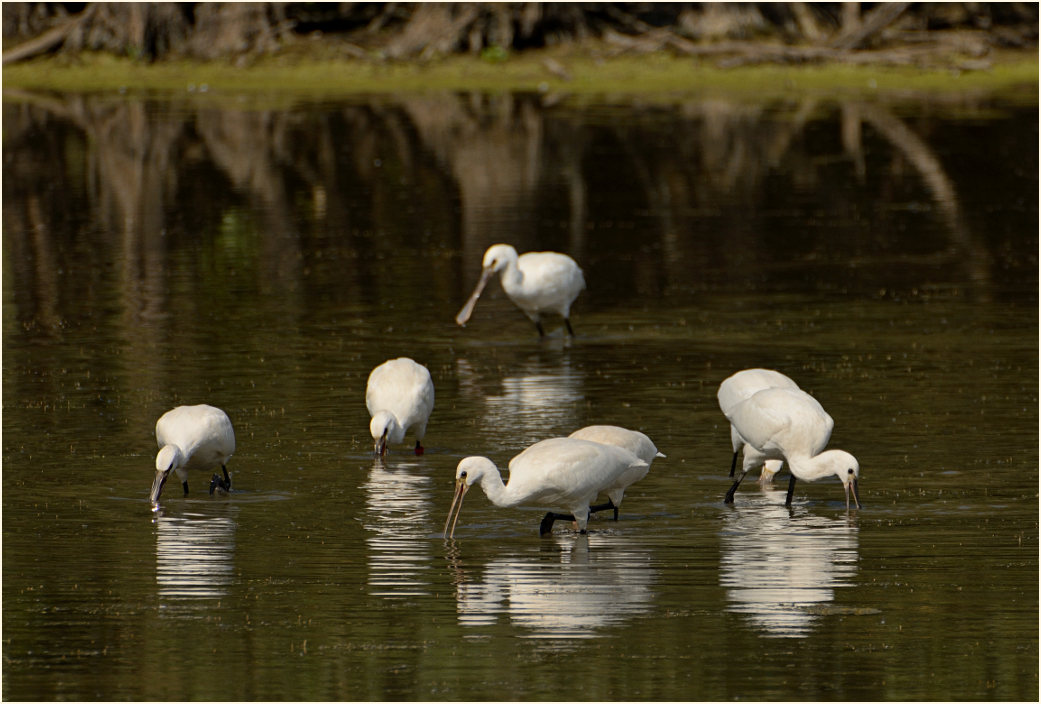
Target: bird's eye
[
  {"x": 462, "y": 474},
  {"x": 850, "y": 470}
]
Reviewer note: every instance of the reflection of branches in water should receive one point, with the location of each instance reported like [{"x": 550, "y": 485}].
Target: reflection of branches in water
[{"x": 376, "y": 177}]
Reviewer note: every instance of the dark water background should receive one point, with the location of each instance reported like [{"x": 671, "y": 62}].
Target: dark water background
[{"x": 163, "y": 251}]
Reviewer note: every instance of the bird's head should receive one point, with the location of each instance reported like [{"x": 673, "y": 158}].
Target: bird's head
[
  {"x": 847, "y": 469},
  {"x": 168, "y": 460},
  {"x": 384, "y": 428},
  {"x": 497, "y": 257},
  {"x": 468, "y": 472}
]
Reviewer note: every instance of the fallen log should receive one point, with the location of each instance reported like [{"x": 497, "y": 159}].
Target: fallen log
[{"x": 49, "y": 40}]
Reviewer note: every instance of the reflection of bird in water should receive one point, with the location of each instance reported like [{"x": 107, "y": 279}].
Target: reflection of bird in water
[
  {"x": 192, "y": 437},
  {"x": 587, "y": 590},
  {"x": 536, "y": 399},
  {"x": 536, "y": 282},
  {"x": 632, "y": 440},
  {"x": 790, "y": 424},
  {"x": 776, "y": 568},
  {"x": 396, "y": 509},
  {"x": 194, "y": 556},
  {"x": 400, "y": 397},
  {"x": 559, "y": 473},
  {"x": 536, "y": 402},
  {"x": 735, "y": 389}
]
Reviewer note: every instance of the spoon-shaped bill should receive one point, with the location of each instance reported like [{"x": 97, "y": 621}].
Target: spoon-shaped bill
[
  {"x": 468, "y": 309},
  {"x": 457, "y": 506}
]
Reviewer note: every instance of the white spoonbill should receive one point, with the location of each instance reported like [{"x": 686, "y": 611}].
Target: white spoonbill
[
  {"x": 192, "y": 437},
  {"x": 559, "y": 473},
  {"x": 400, "y": 397},
  {"x": 632, "y": 440},
  {"x": 735, "y": 389},
  {"x": 536, "y": 282},
  {"x": 790, "y": 424}
]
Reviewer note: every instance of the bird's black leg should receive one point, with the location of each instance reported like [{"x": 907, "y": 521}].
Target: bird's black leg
[
  {"x": 538, "y": 326},
  {"x": 791, "y": 490},
  {"x": 730, "y": 494},
  {"x": 567, "y": 321},
  {"x": 185, "y": 485},
  {"x": 419, "y": 448},
  {"x": 733, "y": 464},
  {"x": 224, "y": 483},
  {"x": 546, "y": 527},
  {"x": 604, "y": 507}
]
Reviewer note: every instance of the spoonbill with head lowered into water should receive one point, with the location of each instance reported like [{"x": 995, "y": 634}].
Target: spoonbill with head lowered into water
[
  {"x": 737, "y": 388},
  {"x": 790, "y": 424},
  {"x": 632, "y": 440},
  {"x": 400, "y": 397},
  {"x": 192, "y": 437},
  {"x": 559, "y": 473},
  {"x": 536, "y": 282}
]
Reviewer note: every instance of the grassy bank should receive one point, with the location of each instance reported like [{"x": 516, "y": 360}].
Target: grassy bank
[{"x": 571, "y": 73}]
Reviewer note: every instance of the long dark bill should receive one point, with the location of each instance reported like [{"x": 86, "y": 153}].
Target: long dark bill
[
  {"x": 157, "y": 485},
  {"x": 457, "y": 506},
  {"x": 856, "y": 493}
]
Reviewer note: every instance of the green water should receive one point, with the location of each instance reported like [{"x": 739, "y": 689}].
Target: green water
[{"x": 158, "y": 253}]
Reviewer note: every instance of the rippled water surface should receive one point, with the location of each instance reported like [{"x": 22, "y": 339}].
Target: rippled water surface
[{"x": 166, "y": 252}]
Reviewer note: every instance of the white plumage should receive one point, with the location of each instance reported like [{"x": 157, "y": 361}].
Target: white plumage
[
  {"x": 400, "y": 397},
  {"x": 735, "y": 389},
  {"x": 790, "y": 424},
  {"x": 192, "y": 437},
  {"x": 536, "y": 282},
  {"x": 559, "y": 473},
  {"x": 632, "y": 440}
]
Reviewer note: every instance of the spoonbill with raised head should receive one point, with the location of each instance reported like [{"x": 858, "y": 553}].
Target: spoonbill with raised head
[
  {"x": 735, "y": 389},
  {"x": 192, "y": 437},
  {"x": 559, "y": 473},
  {"x": 536, "y": 282},
  {"x": 400, "y": 397},
  {"x": 790, "y": 424}
]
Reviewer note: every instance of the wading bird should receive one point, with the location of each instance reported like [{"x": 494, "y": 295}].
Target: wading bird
[
  {"x": 536, "y": 282},
  {"x": 632, "y": 440},
  {"x": 790, "y": 424},
  {"x": 400, "y": 397},
  {"x": 735, "y": 389},
  {"x": 193, "y": 437},
  {"x": 559, "y": 473}
]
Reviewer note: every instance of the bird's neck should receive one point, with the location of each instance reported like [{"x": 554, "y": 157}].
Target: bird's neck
[
  {"x": 511, "y": 275},
  {"x": 810, "y": 468},
  {"x": 497, "y": 492}
]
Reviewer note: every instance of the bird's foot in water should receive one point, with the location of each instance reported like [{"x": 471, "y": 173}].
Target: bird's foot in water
[
  {"x": 219, "y": 482},
  {"x": 546, "y": 527},
  {"x": 419, "y": 448}
]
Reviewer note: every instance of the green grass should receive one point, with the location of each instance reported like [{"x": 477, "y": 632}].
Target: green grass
[{"x": 661, "y": 74}]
